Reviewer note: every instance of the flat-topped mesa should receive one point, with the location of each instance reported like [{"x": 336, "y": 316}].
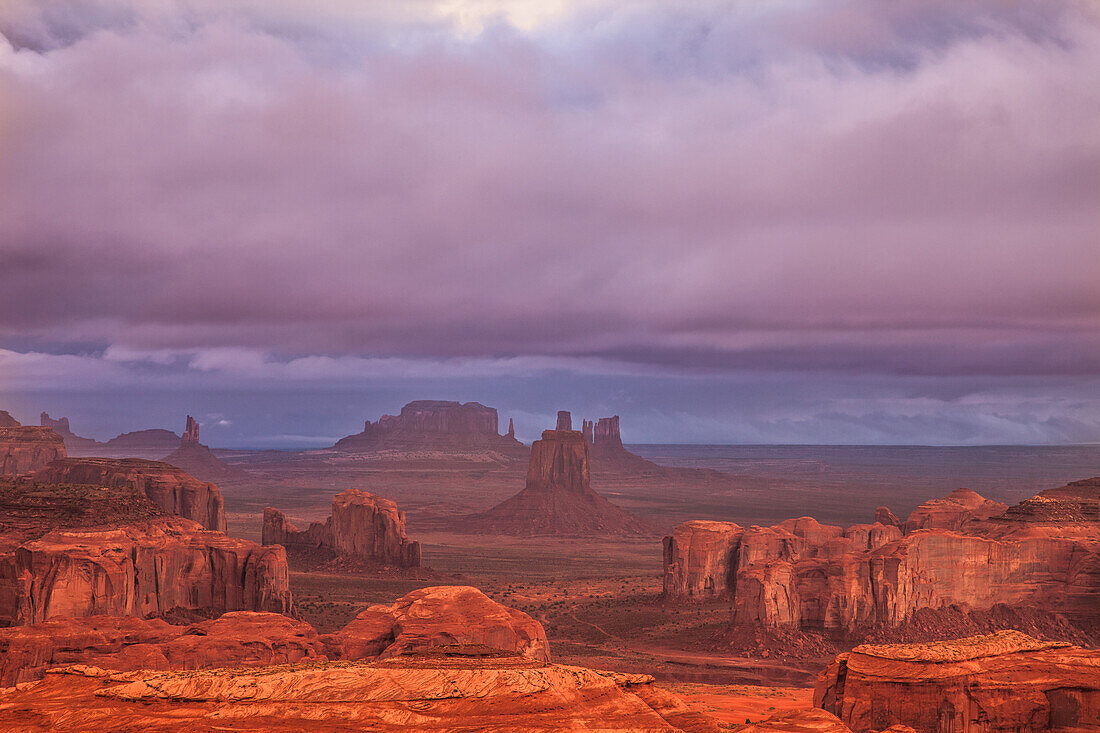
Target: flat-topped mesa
[
  {"x": 27, "y": 448},
  {"x": 198, "y": 460},
  {"x": 362, "y": 526},
  {"x": 151, "y": 444},
  {"x": 78, "y": 550},
  {"x": 167, "y": 486},
  {"x": 61, "y": 427},
  {"x": 1006, "y": 681},
  {"x": 558, "y": 498},
  {"x": 433, "y": 425},
  {"x": 804, "y": 576}
]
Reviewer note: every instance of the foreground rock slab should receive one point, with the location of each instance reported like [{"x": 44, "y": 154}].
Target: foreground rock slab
[{"x": 1006, "y": 681}]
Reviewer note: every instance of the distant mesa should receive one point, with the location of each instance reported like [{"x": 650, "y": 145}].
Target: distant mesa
[
  {"x": 7, "y": 421},
  {"x": 558, "y": 498},
  {"x": 169, "y": 487},
  {"x": 61, "y": 427},
  {"x": 152, "y": 444},
  {"x": 362, "y": 527},
  {"x": 608, "y": 453},
  {"x": 198, "y": 460},
  {"x": 430, "y": 425}
]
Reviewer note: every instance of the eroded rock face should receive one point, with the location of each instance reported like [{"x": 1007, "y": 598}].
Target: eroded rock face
[
  {"x": 7, "y": 421},
  {"x": 558, "y": 497},
  {"x": 430, "y": 693},
  {"x": 26, "y": 448},
  {"x": 433, "y": 425},
  {"x": 438, "y": 616},
  {"x": 150, "y": 567},
  {"x": 167, "y": 486},
  {"x": 361, "y": 525},
  {"x": 124, "y": 643},
  {"x": 1000, "y": 682},
  {"x": 803, "y": 576},
  {"x": 953, "y": 511}
]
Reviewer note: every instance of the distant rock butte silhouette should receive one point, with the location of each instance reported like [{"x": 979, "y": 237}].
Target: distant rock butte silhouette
[
  {"x": 167, "y": 486},
  {"x": 998, "y": 682},
  {"x": 7, "y": 421},
  {"x": 558, "y": 497},
  {"x": 24, "y": 448},
  {"x": 361, "y": 525},
  {"x": 76, "y": 550},
  {"x": 804, "y": 576},
  {"x": 61, "y": 427},
  {"x": 198, "y": 460},
  {"x": 430, "y": 425}
]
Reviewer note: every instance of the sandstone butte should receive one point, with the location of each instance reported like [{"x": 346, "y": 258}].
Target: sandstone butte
[
  {"x": 82, "y": 550},
  {"x": 61, "y": 427},
  {"x": 804, "y": 576},
  {"x": 431, "y": 425},
  {"x": 558, "y": 498},
  {"x": 361, "y": 525},
  {"x": 198, "y": 460},
  {"x": 1005, "y": 681},
  {"x": 169, "y": 487},
  {"x": 429, "y": 618},
  {"x": 26, "y": 448}
]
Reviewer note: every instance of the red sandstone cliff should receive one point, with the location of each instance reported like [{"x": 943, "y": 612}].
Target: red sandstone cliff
[
  {"x": 24, "y": 449},
  {"x": 82, "y": 550},
  {"x": 361, "y": 525},
  {"x": 430, "y": 425},
  {"x": 1001, "y": 682},
  {"x": 558, "y": 497},
  {"x": 167, "y": 486},
  {"x": 803, "y": 576}
]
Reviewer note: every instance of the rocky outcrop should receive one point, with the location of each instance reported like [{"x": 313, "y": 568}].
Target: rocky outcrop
[
  {"x": 953, "y": 511},
  {"x": 24, "y": 449},
  {"x": 124, "y": 643},
  {"x": 166, "y": 486},
  {"x": 565, "y": 420},
  {"x": 361, "y": 525},
  {"x": 1001, "y": 682},
  {"x": 799, "y": 721},
  {"x": 802, "y": 576},
  {"x": 883, "y": 515},
  {"x": 438, "y": 616},
  {"x": 425, "y": 620},
  {"x": 459, "y": 690},
  {"x": 61, "y": 427},
  {"x": 608, "y": 453},
  {"x": 558, "y": 497},
  {"x": 430, "y": 425},
  {"x": 198, "y": 460},
  {"x": 70, "y": 550},
  {"x": 7, "y": 421}
]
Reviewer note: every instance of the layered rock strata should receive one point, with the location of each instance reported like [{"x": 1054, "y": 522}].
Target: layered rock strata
[
  {"x": 361, "y": 525},
  {"x": 25, "y": 448},
  {"x": 1000, "y": 682},
  {"x": 85, "y": 550},
  {"x": 805, "y": 576},
  {"x": 558, "y": 497},
  {"x": 167, "y": 486}
]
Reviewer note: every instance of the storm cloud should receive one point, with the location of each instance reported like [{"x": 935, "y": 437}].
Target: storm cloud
[{"x": 201, "y": 194}]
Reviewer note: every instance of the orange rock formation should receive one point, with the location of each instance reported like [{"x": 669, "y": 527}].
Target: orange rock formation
[{"x": 24, "y": 449}]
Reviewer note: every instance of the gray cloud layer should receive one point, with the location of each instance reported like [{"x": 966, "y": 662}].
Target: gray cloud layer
[{"x": 853, "y": 188}]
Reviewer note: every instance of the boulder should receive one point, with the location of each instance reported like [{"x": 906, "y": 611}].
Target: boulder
[
  {"x": 26, "y": 448},
  {"x": 167, "y": 486},
  {"x": 361, "y": 525},
  {"x": 1006, "y": 681}
]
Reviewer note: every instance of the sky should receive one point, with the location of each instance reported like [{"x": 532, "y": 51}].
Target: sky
[{"x": 750, "y": 221}]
